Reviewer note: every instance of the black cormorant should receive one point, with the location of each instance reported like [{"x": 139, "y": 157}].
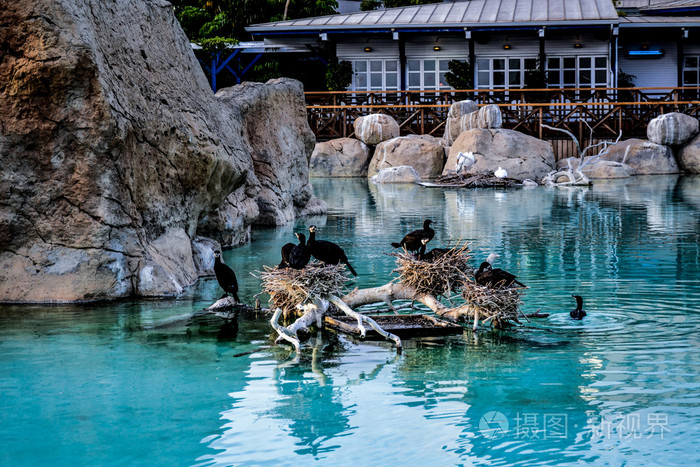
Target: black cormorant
[
  {"x": 327, "y": 252},
  {"x": 579, "y": 312},
  {"x": 416, "y": 240},
  {"x": 433, "y": 254},
  {"x": 300, "y": 255},
  {"x": 225, "y": 277},
  {"x": 486, "y": 275},
  {"x": 286, "y": 250}
]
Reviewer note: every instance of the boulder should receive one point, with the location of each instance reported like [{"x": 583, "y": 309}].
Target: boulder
[
  {"x": 598, "y": 168},
  {"x": 281, "y": 151},
  {"x": 400, "y": 174},
  {"x": 522, "y": 156},
  {"x": 689, "y": 156},
  {"x": 672, "y": 129},
  {"x": 424, "y": 153},
  {"x": 342, "y": 157},
  {"x": 465, "y": 115},
  {"x": 643, "y": 157},
  {"x": 375, "y": 128},
  {"x": 110, "y": 163},
  {"x": 203, "y": 249}
]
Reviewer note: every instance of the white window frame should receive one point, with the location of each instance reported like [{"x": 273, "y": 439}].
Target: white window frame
[
  {"x": 693, "y": 68},
  {"x": 571, "y": 71},
  {"x": 383, "y": 73},
  {"x": 439, "y": 68},
  {"x": 513, "y": 67}
]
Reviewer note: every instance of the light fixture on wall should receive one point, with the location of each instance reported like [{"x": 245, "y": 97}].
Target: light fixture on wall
[
  {"x": 577, "y": 45},
  {"x": 506, "y": 46},
  {"x": 436, "y": 48},
  {"x": 368, "y": 49}
]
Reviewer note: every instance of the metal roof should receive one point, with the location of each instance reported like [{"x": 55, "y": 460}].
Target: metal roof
[
  {"x": 473, "y": 13},
  {"x": 659, "y": 21}
]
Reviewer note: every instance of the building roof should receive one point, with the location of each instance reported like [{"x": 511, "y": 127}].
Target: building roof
[
  {"x": 461, "y": 14},
  {"x": 675, "y": 6},
  {"x": 659, "y": 21}
]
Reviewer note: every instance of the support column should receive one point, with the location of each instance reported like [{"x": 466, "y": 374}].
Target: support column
[
  {"x": 472, "y": 58},
  {"x": 402, "y": 64}
]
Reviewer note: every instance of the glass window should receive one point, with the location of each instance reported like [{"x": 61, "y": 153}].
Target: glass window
[
  {"x": 375, "y": 65},
  {"x": 483, "y": 64},
  {"x": 391, "y": 65},
  {"x": 376, "y": 81},
  {"x": 361, "y": 66},
  {"x": 392, "y": 82},
  {"x": 429, "y": 65},
  {"x": 414, "y": 80},
  {"x": 499, "y": 64},
  {"x": 570, "y": 62},
  {"x": 691, "y": 71},
  {"x": 584, "y": 62},
  {"x": 413, "y": 65},
  {"x": 553, "y": 63},
  {"x": 601, "y": 62}
]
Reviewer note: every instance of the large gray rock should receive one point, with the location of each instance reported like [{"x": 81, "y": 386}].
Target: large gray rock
[
  {"x": 400, "y": 174},
  {"x": 522, "y": 156},
  {"x": 465, "y": 115},
  {"x": 280, "y": 150},
  {"x": 644, "y": 157},
  {"x": 689, "y": 156},
  {"x": 672, "y": 129},
  {"x": 597, "y": 168},
  {"x": 424, "y": 153},
  {"x": 375, "y": 128},
  {"x": 342, "y": 157},
  {"x": 108, "y": 161}
]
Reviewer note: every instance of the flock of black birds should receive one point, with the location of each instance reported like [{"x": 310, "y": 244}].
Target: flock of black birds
[{"x": 297, "y": 256}]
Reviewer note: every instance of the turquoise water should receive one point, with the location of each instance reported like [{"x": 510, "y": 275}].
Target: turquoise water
[{"x": 99, "y": 385}]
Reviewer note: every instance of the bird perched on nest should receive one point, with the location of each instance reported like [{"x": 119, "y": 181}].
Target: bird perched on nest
[
  {"x": 300, "y": 255},
  {"x": 225, "y": 277},
  {"x": 327, "y": 252},
  {"x": 433, "y": 254},
  {"x": 488, "y": 276},
  {"x": 286, "y": 250},
  {"x": 464, "y": 161},
  {"x": 579, "y": 312},
  {"x": 500, "y": 173},
  {"x": 417, "y": 239}
]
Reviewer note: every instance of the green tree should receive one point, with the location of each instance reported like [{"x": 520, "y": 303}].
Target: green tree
[
  {"x": 459, "y": 75},
  {"x": 338, "y": 75}
]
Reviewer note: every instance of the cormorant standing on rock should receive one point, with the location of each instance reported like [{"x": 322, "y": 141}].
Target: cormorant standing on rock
[
  {"x": 300, "y": 255},
  {"x": 579, "y": 312},
  {"x": 415, "y": 240},
  {"x": 327, "y": 252},
  {"x": 286, "y": 251},
  {"x": 486, "y": 275},
  {"x": 225, "y": 277}
]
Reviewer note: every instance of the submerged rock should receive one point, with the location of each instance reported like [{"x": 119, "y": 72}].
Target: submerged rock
[
  {"x": 342, "y": 157},
  {"x": 114, "y": 149},
  {"x": 375, "y": 128},
  {"x": 598, "y": 168},
  {"x": 522, "y": 156},
  {"x": 400, "y": 174},
  {"x": 423, "y": 153},
  {"x": 644, "y": 157}
]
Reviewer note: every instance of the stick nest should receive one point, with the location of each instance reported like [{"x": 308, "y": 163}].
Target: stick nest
[
  {"x": 446, "y": 273},
  {"x": 475, "y": 181},
  {"x": 289, "y": 287},
  {"x": 499, "y": 305}
]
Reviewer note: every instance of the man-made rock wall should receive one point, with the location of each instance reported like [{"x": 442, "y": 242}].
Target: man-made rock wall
[{"x": 113, "y": 149}]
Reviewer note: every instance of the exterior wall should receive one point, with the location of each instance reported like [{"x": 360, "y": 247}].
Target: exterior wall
[{"x": 649, "y": 72}]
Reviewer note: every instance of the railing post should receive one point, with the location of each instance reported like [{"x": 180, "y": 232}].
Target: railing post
[{"x": 540, "y": 132}]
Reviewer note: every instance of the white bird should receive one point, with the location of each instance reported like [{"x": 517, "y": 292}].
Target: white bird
[
  {"x": 500, "y": 173},
  {"x": 464, "y": 161},
  {"x": 492, "y": 257}
]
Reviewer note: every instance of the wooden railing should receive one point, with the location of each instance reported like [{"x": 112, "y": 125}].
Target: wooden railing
[{"x": 606, "y": 110}]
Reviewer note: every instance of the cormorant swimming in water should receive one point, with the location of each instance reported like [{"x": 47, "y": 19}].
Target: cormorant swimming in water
[
  {"x": 579, "y": 312},
  {"x": 486, "y": 275},
  {"x": 414, "y": 241},
  {"x": 300, "y": 255},
  {"x": 327, "y": 252},
  {"x": 286, "y": 250},
  {"x": 225, "y": 277}
]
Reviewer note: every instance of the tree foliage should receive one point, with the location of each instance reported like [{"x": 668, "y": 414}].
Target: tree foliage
[
  {"x": 338, "y": 75},
  {"x": 459, "y": 75}
]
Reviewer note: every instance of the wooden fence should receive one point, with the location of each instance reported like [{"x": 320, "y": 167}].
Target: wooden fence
[{"x": 604, "y": 111}]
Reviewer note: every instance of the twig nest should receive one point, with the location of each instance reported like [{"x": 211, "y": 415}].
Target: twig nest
[
  {"x": 498, "y": 305},
  {"x": 439, "y": 275},
  {"x": 289, "y": 287}
]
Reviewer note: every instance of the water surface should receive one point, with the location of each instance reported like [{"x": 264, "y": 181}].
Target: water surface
[{"x": 99, "y": 385}]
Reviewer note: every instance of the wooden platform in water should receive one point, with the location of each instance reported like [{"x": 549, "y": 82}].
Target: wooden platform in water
[{"x": 404, "y": 326}]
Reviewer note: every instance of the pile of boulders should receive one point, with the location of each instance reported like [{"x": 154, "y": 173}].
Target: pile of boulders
[{"x": 377, "y": 151}]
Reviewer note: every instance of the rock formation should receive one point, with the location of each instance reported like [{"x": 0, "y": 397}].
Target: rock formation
[
  {"x": 342, "y": 157},
  {"x": 400, "y": 174},
  {"x": 644, "y": 157},
  {"x": 423, "y": 153},
  {"x": 375, "y": 128},
  {"x": 596, "y": 168},
  {"x": 113, "y": 149},
  {"x": 522, "y": 156},
  {"x": 466, "y": 115},
  {"x": 689, "y": 156},
  {"x": 672, "y": 129}
]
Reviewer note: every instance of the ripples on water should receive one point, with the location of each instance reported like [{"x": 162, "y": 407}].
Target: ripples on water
[{"x": 101, "y": 385}]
